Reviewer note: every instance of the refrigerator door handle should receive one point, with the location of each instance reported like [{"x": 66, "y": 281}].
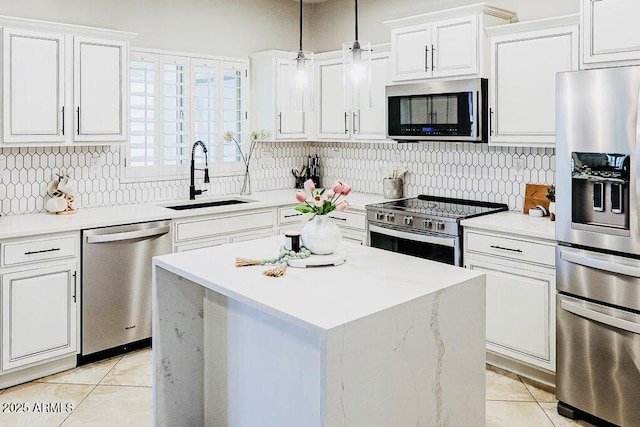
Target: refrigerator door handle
[
  {"x": 615, "y": 322},
  {"x": 611, "y": 267}
]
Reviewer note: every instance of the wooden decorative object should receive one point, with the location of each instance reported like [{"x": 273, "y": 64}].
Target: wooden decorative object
[{"x": 535, "y": 194}]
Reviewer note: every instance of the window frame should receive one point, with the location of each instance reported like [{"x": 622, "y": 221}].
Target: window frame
[{"x": 217, "y": 167}]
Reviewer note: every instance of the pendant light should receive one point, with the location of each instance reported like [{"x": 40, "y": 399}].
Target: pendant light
[
  {"x": 301, "y": 76},
  {"x": 356, "y": 60}
]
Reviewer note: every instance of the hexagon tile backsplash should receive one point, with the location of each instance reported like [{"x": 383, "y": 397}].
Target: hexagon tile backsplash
[{"x": 444, "y": 169}]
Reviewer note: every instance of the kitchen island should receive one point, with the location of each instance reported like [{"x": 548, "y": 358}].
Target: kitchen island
[{"x": 381, "y": 340}]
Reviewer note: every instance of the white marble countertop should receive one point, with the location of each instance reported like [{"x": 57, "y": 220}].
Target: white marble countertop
[
  {"x": 42, "y": 223},
  {"x": 369, "y": 281},
  {"x": 515, "y": 223}
]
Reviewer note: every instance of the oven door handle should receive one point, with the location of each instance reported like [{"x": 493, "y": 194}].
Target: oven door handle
[
  {"x": 600, "y": 264},
  {"x": 615, "y": 322},
  {"x": 416, "y": 237}
]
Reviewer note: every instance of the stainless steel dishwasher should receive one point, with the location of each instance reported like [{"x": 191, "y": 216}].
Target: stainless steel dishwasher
[{"x": 116, "y": 286}]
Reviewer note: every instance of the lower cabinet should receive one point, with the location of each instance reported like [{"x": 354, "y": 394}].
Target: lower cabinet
[
  {"x": 521, "y": 288},
  {"x": 218, "y": 229},
  {"x": 39, "y": 318},
  {"x": 352, "y": 223},
  {"x": 40, "y": 306}
]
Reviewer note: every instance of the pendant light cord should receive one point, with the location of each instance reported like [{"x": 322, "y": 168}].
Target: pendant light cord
[
  {"x": 300, "y": 25},
  {"x": 356, "y": 20}
]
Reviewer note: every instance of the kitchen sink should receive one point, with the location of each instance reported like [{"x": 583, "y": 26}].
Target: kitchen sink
[{"x": 210, "y": 204}]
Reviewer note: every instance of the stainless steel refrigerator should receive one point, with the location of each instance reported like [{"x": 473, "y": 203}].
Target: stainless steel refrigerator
[{"x": 598, "y": 256}]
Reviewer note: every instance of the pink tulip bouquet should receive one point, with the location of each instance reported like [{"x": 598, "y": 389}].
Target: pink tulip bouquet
[{"x": 321, "y": 202}]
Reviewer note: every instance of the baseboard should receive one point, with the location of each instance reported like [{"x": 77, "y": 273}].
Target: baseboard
[{"x": 520, "y": 368}]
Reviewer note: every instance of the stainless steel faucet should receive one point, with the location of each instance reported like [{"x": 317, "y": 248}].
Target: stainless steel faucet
[{"x": 192, "y": 186}]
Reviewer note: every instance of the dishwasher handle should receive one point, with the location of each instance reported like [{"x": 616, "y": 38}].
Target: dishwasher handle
[{"x": 128, "y": 235}]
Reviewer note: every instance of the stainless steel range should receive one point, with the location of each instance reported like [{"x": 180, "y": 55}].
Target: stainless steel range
[{"x": 424, "y": 226}]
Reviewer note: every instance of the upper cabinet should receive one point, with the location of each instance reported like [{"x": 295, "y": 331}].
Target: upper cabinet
[
  {"x": 525, "y": 58},
  {"x": 443, "y": 44},
  {"x": 100, "y": 79},
  {"x": 33, "y": 86},
  {"x": 336, "y": 121},
  {"x": 63, "y": 84},
  {"x": 609, "y": 32},
  {"x": 272, "y": 106}
]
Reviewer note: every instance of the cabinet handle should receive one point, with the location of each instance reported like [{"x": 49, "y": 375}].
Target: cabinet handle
[
  {"x": 75, "y": 283},
  {"x": 292, "y": 215},
  {"x": 335, "y": 217},
  {"x": 63, "y": 120},
  {"x": 279, "y": 122},
  {"x": 346, "y": 117},
  {"x": 491, "y": 121},
  {"x": 506, "y": 249},
  {"x": 433, "y": 64},
  {"x": 353, "y": 123},
  {"x": 78, "y": 121},
  {"x": 426, "y": 58},
  {"x": 41, "y": 251}
]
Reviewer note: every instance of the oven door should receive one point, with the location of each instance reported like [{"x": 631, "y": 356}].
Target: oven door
[{"x": 445, "y": 249}]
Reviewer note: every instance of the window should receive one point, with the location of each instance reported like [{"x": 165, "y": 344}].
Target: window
[{"x": 176, "y": 100}]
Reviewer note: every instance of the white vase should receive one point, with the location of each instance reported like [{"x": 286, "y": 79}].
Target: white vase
[{"x": 320, "y": 235}]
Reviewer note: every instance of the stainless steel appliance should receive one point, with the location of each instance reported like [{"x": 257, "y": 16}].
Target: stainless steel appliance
[
  {"x": 116, "y": 286},
  {"x": 424, "y": 226},
  {"x": 450, "y": 110},
  {"x": 598, "y": 257}
]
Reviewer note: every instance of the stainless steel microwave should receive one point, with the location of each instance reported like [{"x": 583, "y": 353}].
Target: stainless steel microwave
[{"x": 450, "y": 110}]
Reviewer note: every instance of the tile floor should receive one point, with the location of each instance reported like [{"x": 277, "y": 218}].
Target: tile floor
[{"x": 117, "y": 392}]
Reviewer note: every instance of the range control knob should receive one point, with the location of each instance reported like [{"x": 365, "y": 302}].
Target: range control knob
[
  {"x": 391, "y": 217},
  {"x": 440, "y": 226},
  {"x": 379, "y": 216},
  {"x": 427, "y": 223},
  {"x": 408, "y": 220}
]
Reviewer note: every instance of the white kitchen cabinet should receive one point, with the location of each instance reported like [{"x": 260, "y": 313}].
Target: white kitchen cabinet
[
  {"x": 272, "y": 107},
  {"x": 39, "y": 315},
  {"x": 610, "y": 36},
  {"x": 334, "y": 120},
  {"x": 532, "y": 52},
  {"x": 442, "y": 44},
  {"x": 33, "y": 86},
  {"x": 521, "y": 292},
  {"x": 40, "y": 306},
  {"x": 100, "y": 88},
  {"x": 63, "y": 84},
  {"x": 217, "y": 229}
]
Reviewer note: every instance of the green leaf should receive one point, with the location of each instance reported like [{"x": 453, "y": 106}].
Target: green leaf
[
  {"x": 304, "y": 208},
  {"x": 327, "y": 207}
]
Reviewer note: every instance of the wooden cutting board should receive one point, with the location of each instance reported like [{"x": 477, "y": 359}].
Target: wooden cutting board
[{"x": 535, "y": 194}]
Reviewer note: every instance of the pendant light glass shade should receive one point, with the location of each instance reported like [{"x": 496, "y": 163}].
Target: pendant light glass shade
[
  {"x": 356, "y": 61},
  {"x": 301, "y": 80},
  {"x": 301, "y": 76}
]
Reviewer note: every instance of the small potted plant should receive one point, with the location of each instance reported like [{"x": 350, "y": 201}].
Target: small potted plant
[{"x": 551, "y": 195}]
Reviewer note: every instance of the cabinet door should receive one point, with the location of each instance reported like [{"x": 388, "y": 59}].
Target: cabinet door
[
  {"x": 290, "y": 120},
  {"x": 370, "y": 121},
  {"x": 454, "y": 50},
  {"x": 524, "y": 113},
  {"x": 100, "y": 78},
  {"x": 333, "y": 120},
  {"x": 39, "y": 315},
  {"x": 33, "y": 84},
  {"x": 520, "y": 317},
  {"x": 610, "y": 30},
  {"x": 411, "y": 50}
]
